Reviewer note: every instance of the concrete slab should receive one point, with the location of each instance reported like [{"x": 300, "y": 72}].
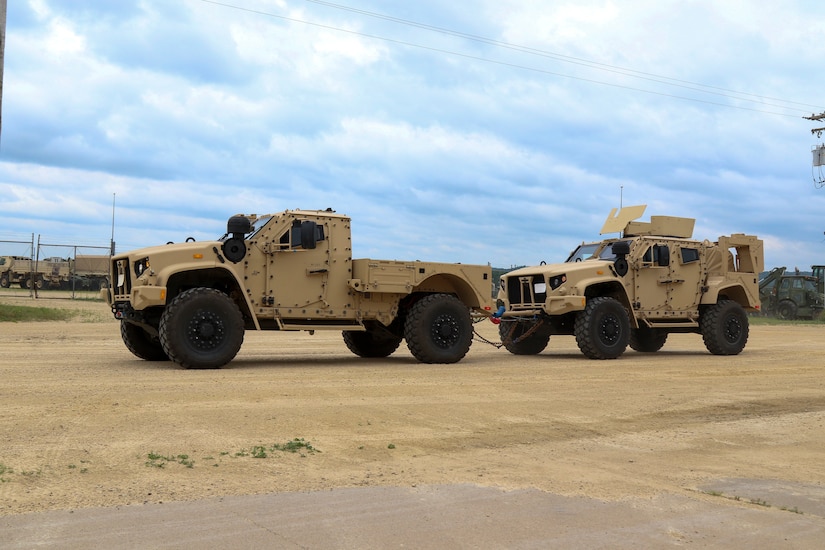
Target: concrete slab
[{"x": 454, "y": 516}]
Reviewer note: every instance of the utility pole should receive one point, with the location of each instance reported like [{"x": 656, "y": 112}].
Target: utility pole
[
  {"x": 816, "y": 118},
  {"x": 2, "y": 54},
  {"x": 818, "y": 152}
]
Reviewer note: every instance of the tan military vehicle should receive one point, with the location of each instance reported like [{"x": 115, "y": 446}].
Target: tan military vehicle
[
  {"x": 636, "y": 289},
  {"x": 49, "y": 272},
  {"x": 191, "y": 302}
]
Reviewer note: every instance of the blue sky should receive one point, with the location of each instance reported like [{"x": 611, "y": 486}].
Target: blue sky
[{"x": 498, "y": 131}]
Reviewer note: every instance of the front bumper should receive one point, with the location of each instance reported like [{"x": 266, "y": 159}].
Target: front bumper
[
  {"x": 140, "y": 298},
  {"x": 554, "y": 305}
]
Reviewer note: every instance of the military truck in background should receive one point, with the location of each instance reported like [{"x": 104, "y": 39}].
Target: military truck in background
[
  {"x": 90, "y": 271},
  {"x": 191, "y": 302},
  {"x": 791, "y": 295},
  {"x": 20, "y": 270},
  {"x": 653, "y": 280},
  {"x": 82, "y": 272}
]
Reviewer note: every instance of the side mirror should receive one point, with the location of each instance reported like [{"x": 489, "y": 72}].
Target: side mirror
[
  {"x": 664, "y": 255},
  {"x": 309, "y": 236}
]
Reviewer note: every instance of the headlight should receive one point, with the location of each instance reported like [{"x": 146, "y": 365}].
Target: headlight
[
  {"x": 141, "y": 266},
  {"x": 557, "y": 280}
]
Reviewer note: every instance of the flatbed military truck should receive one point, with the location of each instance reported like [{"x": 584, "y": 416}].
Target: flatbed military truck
[
  {"x": 82, "y": 272},
  {"x": 19, "y": 270},
  {"x": 636, "y": 289},
  {"x": 292, "y": 271},
  {"x": 28, "y": 273}
]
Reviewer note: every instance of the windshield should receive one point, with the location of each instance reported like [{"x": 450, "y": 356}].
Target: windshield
[
  {"x": 607, "y": 252},
  {"x": 583, "y": 251},
  {"x": 259, "y": 224},
  {"x": 602, "y": 251}
]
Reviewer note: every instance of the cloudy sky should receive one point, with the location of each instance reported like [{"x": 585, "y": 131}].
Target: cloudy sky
[{"x": 475, "y": 131}]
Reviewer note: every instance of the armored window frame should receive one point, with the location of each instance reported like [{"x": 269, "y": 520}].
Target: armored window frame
[{"x": 689, "y": 255}]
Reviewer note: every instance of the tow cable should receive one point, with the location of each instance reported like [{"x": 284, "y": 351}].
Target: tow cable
[
  {"x": 495, "y": 318},
  {"x": 484, "y": 340}
]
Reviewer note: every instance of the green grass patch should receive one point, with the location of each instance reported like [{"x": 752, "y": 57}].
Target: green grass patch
[
  {"x": 760, "y": 320},
  {"x": 297, "y": 445},
  {"x": 156, "y": 460},
  {"x": 22, "y": 314},
  {"x": 4, "y": 471}
]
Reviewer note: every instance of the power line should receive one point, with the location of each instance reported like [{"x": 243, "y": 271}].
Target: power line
[
  {"x": 712, "y": 90},
  {"x": 562, "y": 57}
]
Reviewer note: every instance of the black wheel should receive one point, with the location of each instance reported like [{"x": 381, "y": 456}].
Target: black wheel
[
  {"x": 603, "y": 329},
  {"x": 724, "y": 328},
  {"x": 647, "y": 340},
  {"x": 438, "y": 329},
  {"x": 4, "y": 281},
  {"x": 202, "y": 328},
  {"x": 373, "y": 342},
  {"x": 513, "y": 337},
  {"x": 786, "y": 310},
  {"x": 141, "y": 343}
]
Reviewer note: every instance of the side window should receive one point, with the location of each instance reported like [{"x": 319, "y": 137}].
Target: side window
[
  {"x": 784, "y": 284},
  {"x": 657, "y": 255},
  {"x": 284, "y": 240},
  {"x": 304, "y": 234},
  {"x": 797, "y": 284},
  {"x": 689, "y": 255}
]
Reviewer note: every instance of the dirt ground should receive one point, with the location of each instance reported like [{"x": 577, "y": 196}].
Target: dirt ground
[{"x": 83, "y": 423}]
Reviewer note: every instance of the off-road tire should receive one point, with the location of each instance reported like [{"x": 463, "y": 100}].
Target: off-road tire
[
  {"x": 724, "y": 328},
  {"x": 141, "y": 343},
  {"x": 602, "y": 329},
  {"x": 202, "y": 328},
  {"x": 438, "y": 329},
  {"x": 4, "y": 281},
  {"x": 371, "y": 343},
  {"x": 511, "y": 333},
  {"x": 786, "y": 310},
  {"x": 647, "y": 340}
]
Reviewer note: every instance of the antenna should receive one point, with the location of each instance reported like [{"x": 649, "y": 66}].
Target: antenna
[{"x": 112, "y": 240}]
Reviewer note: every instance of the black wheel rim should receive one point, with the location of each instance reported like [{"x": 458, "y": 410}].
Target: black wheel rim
[
  {"x": 205, "y": 331},
  {"x": 733, "y": 329},
  {"x": 445, "y": 331},
  {"x": 610, "y": 329}
]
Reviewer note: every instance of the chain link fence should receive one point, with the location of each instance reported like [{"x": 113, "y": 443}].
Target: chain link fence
[{"x": 49, "y": 270}]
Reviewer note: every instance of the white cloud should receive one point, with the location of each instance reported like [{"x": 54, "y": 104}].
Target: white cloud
[{"x": 191, "y": 112}]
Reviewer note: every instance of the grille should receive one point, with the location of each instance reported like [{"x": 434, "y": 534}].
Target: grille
[
  {"x": 121, "y": 277},
  {"x": 527, "y": 291}
]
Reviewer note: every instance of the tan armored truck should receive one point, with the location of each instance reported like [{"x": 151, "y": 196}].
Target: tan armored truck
[
  {"x": 49, "y": 272},
  {"x": 636, "y": 289},
  {"x": 191, "y": 302}
]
